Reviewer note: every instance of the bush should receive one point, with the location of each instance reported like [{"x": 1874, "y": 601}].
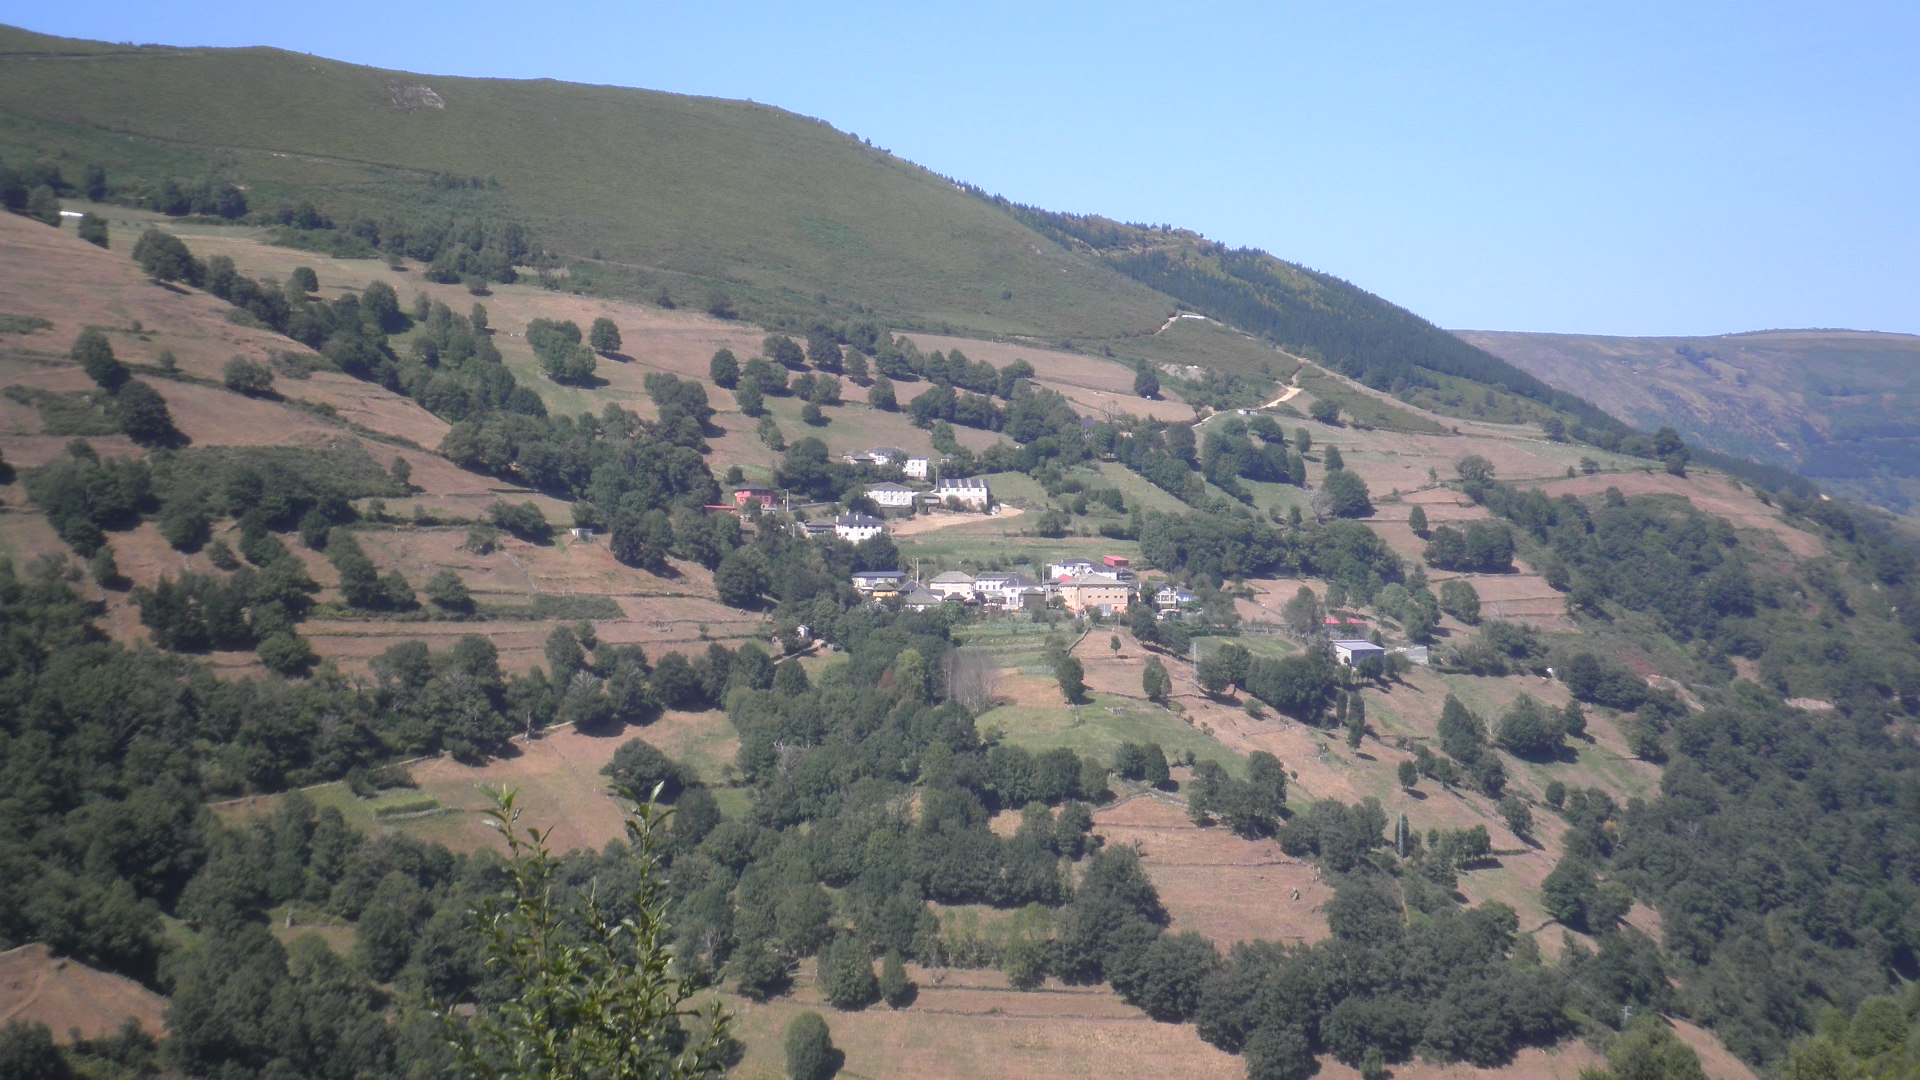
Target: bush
[
  {"x": 249, "y": 377},
  {"x": 810, "y": 1051},
  {"x": 846, "y": 974},
  {"x": 637, "y": 766},
  {"x": 285, "y": 653},
  {"x": 446, "y": 590}
]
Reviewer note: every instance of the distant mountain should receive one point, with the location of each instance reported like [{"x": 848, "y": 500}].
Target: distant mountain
[{"x": 1841, "y": 407}]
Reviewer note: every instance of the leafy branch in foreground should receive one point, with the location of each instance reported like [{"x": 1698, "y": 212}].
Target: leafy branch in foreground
[{"x": 591, "y": 996}]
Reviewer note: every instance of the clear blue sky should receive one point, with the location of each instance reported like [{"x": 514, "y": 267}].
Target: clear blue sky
[{"x": 1626, "y": 168}]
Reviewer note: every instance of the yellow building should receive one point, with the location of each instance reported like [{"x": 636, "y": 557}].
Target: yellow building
[{"x": 1103, "y": 594}]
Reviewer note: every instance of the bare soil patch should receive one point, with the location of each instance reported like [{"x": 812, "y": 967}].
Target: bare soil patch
[{"x": 37, "y": 987}]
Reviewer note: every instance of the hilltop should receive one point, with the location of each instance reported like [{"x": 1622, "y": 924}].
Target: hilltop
[
  {"x": 1835, "y": 406},
  {"x": 636, "y": 194}
]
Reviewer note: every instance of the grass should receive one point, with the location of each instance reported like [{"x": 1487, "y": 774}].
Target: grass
[
  {"x": 954, "y": 548},
  {"x": 779, "y": 206},
  {"x": 1361, "y": 408},
  {"x": 1098, "y": 728},
  {"x": 1271, "y": 646},
  {"x": 72, "y": 412}
]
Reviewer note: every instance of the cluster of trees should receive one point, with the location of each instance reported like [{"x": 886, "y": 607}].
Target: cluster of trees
[
  {"x": 562, "y": 355},
  {"x": 133, "y": 404},
  {"x": 479, "y": 248}
]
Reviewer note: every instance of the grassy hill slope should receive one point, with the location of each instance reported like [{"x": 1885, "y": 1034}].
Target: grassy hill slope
[
  {"x": 665, "y": 186},
  {"x": 1837, "y": 406}
]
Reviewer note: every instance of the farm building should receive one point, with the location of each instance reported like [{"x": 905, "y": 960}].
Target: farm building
[{"x": 1348, "y": 653}]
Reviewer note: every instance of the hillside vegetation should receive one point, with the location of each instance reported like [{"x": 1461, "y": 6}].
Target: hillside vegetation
[
  {"x": 287, "y": 509},
  {"x": 1836, "y": 406},
  {"x": 649, "y": 189}
]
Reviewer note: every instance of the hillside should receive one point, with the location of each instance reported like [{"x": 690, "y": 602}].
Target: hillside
[
  {"x": 785, "y": 215},
  {"x": 1836, "y": 406},
  {"x": 1643, "y": 745},
  {"x": 646, "y": 188}
]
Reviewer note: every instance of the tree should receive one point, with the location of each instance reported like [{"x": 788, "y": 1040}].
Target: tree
[
  {"x": 1409, "y": 774},
  {"x": 724, "y": 369},
  {"x": 143, "y": 416},
  {"x": 1278, "y": 1050},
  {"x": 1072, "y": 677},
  {"x": 747, "y": 395},
  {"x": 1529, "y": 731},
  {"x": 1517, "y": 814},
  {"x": 1214, "y": 674},
  {"x": 896, "y": 989},
  {"x": 93, "y": 229},
  {"x": 1146, "y": 384},
  {"x": 638, "y": 769},
  {"x": 28, "y": 1052},
  {"x": 1154, "y": 681},
  {"x": 589, "y": 992},
  {"x": 846, "y": 974},
  {"x": 810, "y": 1051},
  {"x": 1417, "y": 521},
  {"x": 44, "y": 206},
  {"x": 1346, "y": 494},
  {"x": 1326, "y": 412},
  {"x": 249, "y": 377},
  {"x": 1461, "y": 600},
  {"x": 740, "y": 578},
  {"x": 1303, "y": 611},
  {"x": 811, "y": 415},
  {"x": 880, "y": 395},
  {"x": 94, "y": 353},
  {"x": 784, "y": 351},
  {"x": 604, "y": 336}
]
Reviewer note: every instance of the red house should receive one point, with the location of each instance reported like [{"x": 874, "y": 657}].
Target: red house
[{"x": 751, "y": 492}]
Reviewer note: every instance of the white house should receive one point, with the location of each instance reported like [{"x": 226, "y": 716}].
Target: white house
[
  {"x": 878, "y": 580},
  {"x": 1008, "y": 592},
  {"x": 1070, "y": 568},
  {"x": 886, "y": 455},
  {"x": 1348, "y": 653},
  {"x": 972, "y": 491},
  {"x": 892, "y": 496},
  {"x": 987, "y": 585},
  {"x": 915, "y": 467},
  {"x": 858, "y": 527}
]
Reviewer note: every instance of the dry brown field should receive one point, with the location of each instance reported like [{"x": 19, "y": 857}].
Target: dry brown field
[
  {"x": 37, "y": 987},
  {"x": 1214, "y": 882},
  {"x": 968, "y": 1025}
]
